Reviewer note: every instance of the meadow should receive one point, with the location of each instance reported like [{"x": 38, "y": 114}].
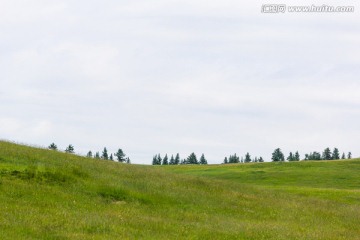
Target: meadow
[{"x": 46, "y": 194}]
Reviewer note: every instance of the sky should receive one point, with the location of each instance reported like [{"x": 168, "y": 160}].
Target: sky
[{"x": 179, "y": 76}]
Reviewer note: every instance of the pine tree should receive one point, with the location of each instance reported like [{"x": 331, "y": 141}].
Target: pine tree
[
  {"x": 70, "y": 149},
  {"x": 247, "y": 158},
  {"x": 336, "y": 154},
  {"x": 52, "y": 146},
  {"x": 327, "y": 154},
  {"x": 261, "y": 159},
  {"x": 278, "y": 156},
  {"x": 290, "y": 157},
  {"x": 97, "y": 155},
  {"x": 165, "y": 160},
  {"x": 202, "y": 159},
  {"x": 234, "y": 159},
  {"x": 192, "y": 159},
  {"x": 111, "y": 157},
  {"x": 177, "y": 159},
  {"x": 154, "y": 161},
  {"x": 343, "y": 156},
  {"x": 120, "y": 155},
  {"x": 226, "y": 160},
  {"x": 172, "y": 160},
  {"x": 349, "y": 155},
  {"x": 89, "y": 154},
  {"x": 159, "y": 160},
  {"x": 256, "y": 159},
  {"x": 297, "y": 156},
  {"x": 105, "y": 155}
]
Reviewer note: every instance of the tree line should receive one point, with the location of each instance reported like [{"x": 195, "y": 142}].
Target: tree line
[
  {"x": 191, "y": 159},
  {"x": 277, "y": 156},
  {"x": 119, "y": 156},
  {"x": 327, "y": 154}
]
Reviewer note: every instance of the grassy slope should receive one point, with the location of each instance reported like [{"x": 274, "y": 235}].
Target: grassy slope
[{"x": 52, "y": 195}]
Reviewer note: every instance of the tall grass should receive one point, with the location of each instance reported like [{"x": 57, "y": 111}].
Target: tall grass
[{"x": 51, "y": 195}]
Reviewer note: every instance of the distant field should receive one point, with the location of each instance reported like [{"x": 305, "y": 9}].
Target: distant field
[{"x": 52, "y": 195}]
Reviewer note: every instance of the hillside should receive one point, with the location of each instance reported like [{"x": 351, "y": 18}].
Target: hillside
[{"x": 52, "y": 195}]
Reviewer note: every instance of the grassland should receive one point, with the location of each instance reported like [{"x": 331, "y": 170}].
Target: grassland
[{"x": 51, "y": 195}]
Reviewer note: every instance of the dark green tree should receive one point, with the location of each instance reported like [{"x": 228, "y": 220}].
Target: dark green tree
[
  {"x": 172, "y": 160},
  {"x": 89, "y": 154},
  {"x": 277, "y": 156},
  {"x": 349, "y": 155},
  {"x": 165, "y": 160},
  {"x": 97, "y": 155},
  {"x": 297, "y": 156},
  {"x": 70, "y": 149},
  {"x": 234, "y": 159},
  {"x": 336, "y": 154},
  {"x": 154, "y": 160},
  {"x": 52, "y": 146},
  {"x": 120, "y": 155},
  {"x": 343, "y": 156},
  {"x": 313, "y": 156},
  {"x": 192, "y": 159},
  {"x": 111, "y": 157},
  {"x": 177, "y": 159},
  {"x": 226, "y": 160},
  {"x": 105, "y": 154},
  {"x": 247, "y": 158},
  {"x": 261, "y": 159},
  {"x": 202, "y": 159},
  {"x": 291, "y": 157},
  {"x": 327, "y": 154},
  {"x": 159, "y": 159}
]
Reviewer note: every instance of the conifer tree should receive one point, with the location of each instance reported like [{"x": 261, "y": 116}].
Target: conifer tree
[
  {"x": 159, "y": 160},
  {"x": 343, "y": 156},
  {"x": 128, "y": 160},
  {"x": 154, "y": 161},
  {"x": 327, "y": 154},
  {"x": 111, "y": 157},
  {"x": 202, "y": 159},
  {"x": 165, "y": 160},
  {"x": 97, "y": 155},
  {"x": 349, "y": 155},
  {"x": 192, "y": 159},
  {"x": 297, "y": 156},
  {"x": 89, "y": 154},
  {"x": 177, "y": 159},
  {"x": 120, "y": 155},
  {"x": 226, "y": 160},
  {"x": 234, "y": 159},
  {"x": 291, "y": 157},
  {"x": 172, "y": 160},
  {"x": 278, "y": 156},
  {"x": 52, "y": 146},
  {"x": 336, "y": 154},
  {"x": 105, "y": 155},
  {"x": 247, "y": 158},
  {"x": 261, "y": 159},
  {"x": 70, "y": 149}
]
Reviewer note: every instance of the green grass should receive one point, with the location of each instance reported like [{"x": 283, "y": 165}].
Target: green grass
[{"x": 52, "y": 195}]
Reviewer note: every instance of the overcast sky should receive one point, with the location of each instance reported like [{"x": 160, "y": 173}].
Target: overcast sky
[{"x": 166, "y": 76}]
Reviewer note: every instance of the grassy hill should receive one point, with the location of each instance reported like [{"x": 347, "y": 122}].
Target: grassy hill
[{"x": 52, "y": 195}]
